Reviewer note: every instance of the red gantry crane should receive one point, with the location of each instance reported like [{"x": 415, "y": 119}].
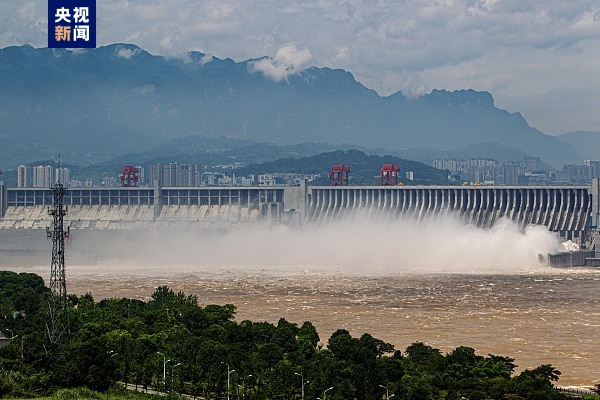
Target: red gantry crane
[
  {"x": 129, "y": 177},
  {"x": 389, "y": 175},
  {"x": 339, "y": 175}
]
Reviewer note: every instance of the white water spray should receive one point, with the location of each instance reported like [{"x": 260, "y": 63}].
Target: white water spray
[{"x": 360, "y": 246}]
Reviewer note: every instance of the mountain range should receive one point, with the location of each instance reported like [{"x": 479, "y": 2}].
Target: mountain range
[
  {"x": 585, "y": 142},
  {"x": 251, "y": 157},
  {"x": 95, "y": 104}
]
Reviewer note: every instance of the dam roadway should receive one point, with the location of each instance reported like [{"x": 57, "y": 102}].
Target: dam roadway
[{"x": 570, "y": 211}]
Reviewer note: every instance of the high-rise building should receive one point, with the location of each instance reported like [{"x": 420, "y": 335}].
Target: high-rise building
[
  {"x": 170, "y": 174},
  {"x": 189, "y": 175},
  {"x": 39, "y": 176},
  {"x": 579, "y": 173},
  {"x": 156, "y": 174},
  {"x": 24, "y": 176},
  {"x": 532, "y": 163},
  {"x": 507, "y": 174},
  {"x": 450, "y": 164},
  {"x": 141, "y": 175},
  {"x": 174, "y": 174},
  {"x": 43, "y": 176},
  {"x": 109, "y": 181},
  {"x": 63, "y": 175}
]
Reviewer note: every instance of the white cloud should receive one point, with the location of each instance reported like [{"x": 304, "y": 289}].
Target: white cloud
[
  {"x": 188, "y": 59},
  {"x": 341, "y": 55},
  {"x": 205, "y": 59},
  {"x": 287, "y": 61},
  {"x": 127, "y": 53},
  {"x": 410, "y": 84},
  {"x": 145, "y": 90}
]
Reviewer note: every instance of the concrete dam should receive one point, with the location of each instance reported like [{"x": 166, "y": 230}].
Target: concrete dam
[
  {"x": 570, "y": 211},
  {"x": 565, "y": 210}
]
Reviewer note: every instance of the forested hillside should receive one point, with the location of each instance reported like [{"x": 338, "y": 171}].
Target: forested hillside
[
  {"x": 364, "y": 169},
  {"x": 174, "y": 343}
]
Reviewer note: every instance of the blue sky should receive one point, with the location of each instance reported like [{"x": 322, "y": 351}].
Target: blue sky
[{"x": 540, "y": 58}]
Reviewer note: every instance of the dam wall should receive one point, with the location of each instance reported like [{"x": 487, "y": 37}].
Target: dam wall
[
  {"x": 566, "y": 210},
  {"x": 570, "y": 211},
  {"x": 140, "y": 208}
]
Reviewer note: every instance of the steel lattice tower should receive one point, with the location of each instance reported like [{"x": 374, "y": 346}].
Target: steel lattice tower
[{"x": 58, "y": 311}]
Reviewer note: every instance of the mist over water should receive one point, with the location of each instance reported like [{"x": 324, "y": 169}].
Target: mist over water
[
  {"x": 441, "y": 282},
  {"x": 358, "y": 247}
]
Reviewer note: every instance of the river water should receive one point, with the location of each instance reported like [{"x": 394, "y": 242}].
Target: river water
[{"x": 537, "y": 316}]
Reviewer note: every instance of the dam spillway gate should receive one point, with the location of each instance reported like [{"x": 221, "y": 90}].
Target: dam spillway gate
[
  {"x": 565, "y": 210},
  {"x": 571, "y": 211}
]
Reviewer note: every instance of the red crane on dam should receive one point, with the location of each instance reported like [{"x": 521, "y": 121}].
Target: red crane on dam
[
  {"x": 129, "y": 177},
  {"x": 339, "y": 175},
  {"x": 389, "y": 175}
]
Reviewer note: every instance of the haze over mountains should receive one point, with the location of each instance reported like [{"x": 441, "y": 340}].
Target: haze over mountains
[
  {"x": 97, "y": 104},
  {"x": 586, "y": 143}
]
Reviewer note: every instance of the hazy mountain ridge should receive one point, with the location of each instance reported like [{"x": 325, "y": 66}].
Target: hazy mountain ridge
[
  {"x": 364, "y": 169},
  {"x": 96, "y": 104},
  {"x": 303, "y": 158},
  {"x": 491, "y": 150},
  {"x": 587, "y": 143}
]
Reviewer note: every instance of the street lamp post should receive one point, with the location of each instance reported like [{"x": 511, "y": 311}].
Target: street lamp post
[
  {"x": 14, "y": 337},
  {"x": 165, "y": 361},
  {"x": 112, "y": 354},
  {"x": 387, "y": 393},
  {"x": 244, "y": 388},
  {"x": 303, "y": 383},
  {"x": 173, "y": 373},
  {"x": 229, "y": 372},
  {"x": 325, "y": 392}
]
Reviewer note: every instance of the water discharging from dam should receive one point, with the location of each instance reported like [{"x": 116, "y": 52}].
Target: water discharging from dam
[
  {"x": 443, "y": 283},
  {"x": 359, "y": 246}
]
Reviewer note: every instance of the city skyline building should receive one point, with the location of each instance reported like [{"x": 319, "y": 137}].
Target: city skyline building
[
  {"x": 174, "y": 174},
  {"x": 24, "y": 176},
  {"x": 63, "y": 175},
  {"x": 41, "y": 176}
]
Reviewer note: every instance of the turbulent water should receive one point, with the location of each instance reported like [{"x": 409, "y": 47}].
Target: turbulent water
[
  {"x": 441, "y": 283},
  {"x": 537, "y": 317}
]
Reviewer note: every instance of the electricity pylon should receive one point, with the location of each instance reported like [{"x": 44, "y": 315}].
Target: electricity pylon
[{"x": 58, "y": 308}]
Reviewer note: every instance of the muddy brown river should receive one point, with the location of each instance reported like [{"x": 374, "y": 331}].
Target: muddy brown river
[{"x": 539, "y": 316}]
